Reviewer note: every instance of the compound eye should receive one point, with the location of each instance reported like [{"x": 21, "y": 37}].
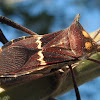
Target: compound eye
[{"x": 88, "y": 45}]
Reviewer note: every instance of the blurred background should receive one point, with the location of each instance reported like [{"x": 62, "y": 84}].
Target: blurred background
[{"x": 46, "y": 16}]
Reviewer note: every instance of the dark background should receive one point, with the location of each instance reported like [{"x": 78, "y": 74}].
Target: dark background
[{"x": 46, "y": 16}]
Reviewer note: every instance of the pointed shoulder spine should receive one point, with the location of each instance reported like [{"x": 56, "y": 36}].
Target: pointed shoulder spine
[{"x": 77, "y": 18}]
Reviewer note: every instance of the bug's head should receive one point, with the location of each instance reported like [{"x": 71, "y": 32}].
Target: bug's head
[
  {"x": 80, "y": 41},
  {"x": 96, "y": 37},
  {"x": 89, "y": 45}
]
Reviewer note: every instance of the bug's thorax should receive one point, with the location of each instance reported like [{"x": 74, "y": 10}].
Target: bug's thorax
[{"x": 81, "y": 43}]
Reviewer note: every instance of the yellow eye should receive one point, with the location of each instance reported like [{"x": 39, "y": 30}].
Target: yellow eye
[
  {"x": 88, "y": 45},
  {"x": 85, "y": 34}
]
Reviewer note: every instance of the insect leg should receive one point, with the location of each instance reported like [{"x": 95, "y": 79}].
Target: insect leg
[
  {"x": 75, "y": 83},
  {"x": 9, "y": 22},
  {"x": 96, "y": 61},
  {"x": 3, "y": 39}
]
